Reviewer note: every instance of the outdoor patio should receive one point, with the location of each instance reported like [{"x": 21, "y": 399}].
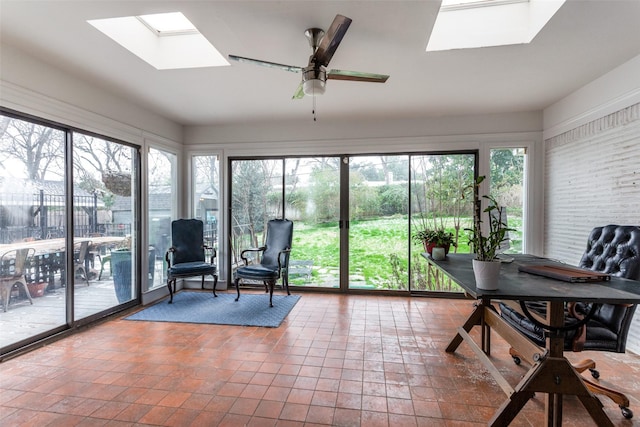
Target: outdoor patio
[{"x": 23, "y": 320}]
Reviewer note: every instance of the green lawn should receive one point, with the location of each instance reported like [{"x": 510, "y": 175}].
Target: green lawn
[{"x": 378, "y": 254}]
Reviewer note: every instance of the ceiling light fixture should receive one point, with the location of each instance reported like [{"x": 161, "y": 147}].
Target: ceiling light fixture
[{"x": 314, "y": 80}]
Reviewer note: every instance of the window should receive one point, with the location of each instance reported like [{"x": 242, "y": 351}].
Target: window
[
  {"x": 507, "y": 186},
  {"x": 206, "y": 195},
  {"x": 162, "y": 195}
]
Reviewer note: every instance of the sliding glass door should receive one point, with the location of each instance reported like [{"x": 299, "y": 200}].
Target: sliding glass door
[
  {"x": 105, "y": 240},
  {"x": 305, "y": 190},
  {"x": 442, "y": 198},
  {"x": 378, "y": 226},
  {"x": 354, "y": 215},
  {"x": 67, "y": 228},
  {"x": 33, "y": 211},
  {"x": 312, "y": 201}
]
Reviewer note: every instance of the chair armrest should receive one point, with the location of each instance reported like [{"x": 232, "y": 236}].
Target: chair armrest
[
  {"x": 214, "y": 253},
  {"x": 282, "y": 252},
  {"x": 577, "y": 344},
  {"x": 245, "y": 259}
]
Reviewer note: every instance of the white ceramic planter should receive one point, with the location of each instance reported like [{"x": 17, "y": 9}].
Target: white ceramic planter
[
  {"x": 486, "y": 273},
  {"x": 438, "y": 254}
]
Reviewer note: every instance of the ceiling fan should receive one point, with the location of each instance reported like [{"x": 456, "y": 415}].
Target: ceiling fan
[{"x": 315, "y": 75}]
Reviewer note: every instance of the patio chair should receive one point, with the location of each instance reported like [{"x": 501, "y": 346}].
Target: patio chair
[
  {"x": 12, "y": 272},
  {"x": 186, "y": 256},
  {"x": 274, "y": 262},
  {"x": 80, "y": 261},
  {"x": 611, "y": 249}
]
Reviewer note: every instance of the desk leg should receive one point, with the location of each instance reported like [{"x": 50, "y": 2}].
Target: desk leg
[
  {"x": 474, "y": 319},
  {"x": 556, "y": 377}
]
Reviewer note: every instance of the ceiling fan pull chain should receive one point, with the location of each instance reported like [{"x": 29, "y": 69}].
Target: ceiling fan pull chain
[{"x": 313, "y": 111}]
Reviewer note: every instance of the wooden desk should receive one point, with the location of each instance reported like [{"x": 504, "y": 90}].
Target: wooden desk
[{"x": 551, "y": 373}]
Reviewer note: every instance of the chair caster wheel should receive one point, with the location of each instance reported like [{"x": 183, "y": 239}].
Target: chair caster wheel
[
  {"x": 626, "y": 412},
  {"x": 594, "y": 373},
  {"x": 516, "y": 360}
]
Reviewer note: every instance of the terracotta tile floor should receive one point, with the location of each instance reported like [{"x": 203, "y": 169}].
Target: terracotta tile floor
[{"x": 336, "y": 360}]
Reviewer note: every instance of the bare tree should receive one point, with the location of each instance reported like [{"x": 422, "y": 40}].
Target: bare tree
[{"x": 39, "y": 148}]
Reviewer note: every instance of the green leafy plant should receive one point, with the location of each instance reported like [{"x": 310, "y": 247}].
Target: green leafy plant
[
  {"x": 439, "y": 237},
  {"x": 486, "y": 245}
]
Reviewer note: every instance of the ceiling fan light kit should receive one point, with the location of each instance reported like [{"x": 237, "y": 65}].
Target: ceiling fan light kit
[
  {"x": 314, "y": 75},
  {"x": 314, "y": 80}
]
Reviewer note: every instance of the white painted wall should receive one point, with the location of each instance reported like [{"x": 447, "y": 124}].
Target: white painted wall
[
  {"x": 612, "y": 92},
  {"x": 592, "y": 153},
  {"x": 32, "y": 86},
  {"x": 377, "y": 132}
]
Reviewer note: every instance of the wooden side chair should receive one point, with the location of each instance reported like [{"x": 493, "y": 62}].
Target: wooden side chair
[
  {"x": 80, "y": 261},
  {"x": 186, "y": 256},
  {"x": 13, "y": 264},
  {"x": 274, "y": 262}
]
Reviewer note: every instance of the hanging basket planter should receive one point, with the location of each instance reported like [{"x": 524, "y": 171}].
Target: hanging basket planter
[{"x": 118, "y": 183}]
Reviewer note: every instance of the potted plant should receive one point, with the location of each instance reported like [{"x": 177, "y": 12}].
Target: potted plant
[
  {"x": 435, "y": 238},
  {"x": 121, "y": 269},
  {"x": 486, "y": 243}
]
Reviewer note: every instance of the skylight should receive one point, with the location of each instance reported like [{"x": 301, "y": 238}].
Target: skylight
[
  {"x": 165, "y": 40},
  {"x": 167, "y": 24},
  {"x": 464, "y": 24}
]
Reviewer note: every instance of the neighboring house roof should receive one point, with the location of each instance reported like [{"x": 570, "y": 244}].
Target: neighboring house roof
[{"x": 159, "y": 200}]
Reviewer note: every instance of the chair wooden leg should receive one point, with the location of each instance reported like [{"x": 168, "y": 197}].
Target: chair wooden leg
[
  {"x": 170, "y": 290},
  {"x": 272, "y": 284},
  {"x": 238, "y": 288},
  {"x": 215, "y": 283},
  {"x": 616, "y": 396},
  {"x": 285, "y": 282},
  {"x": 583, "y": 365}
]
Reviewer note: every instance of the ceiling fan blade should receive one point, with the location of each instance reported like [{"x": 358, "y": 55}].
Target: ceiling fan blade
[
  {"x": 331, "y": 40},
  {"x": 299, "y": 94},
  {"x": 356, "y": 76},
  {"x": 285, "y": 67}
]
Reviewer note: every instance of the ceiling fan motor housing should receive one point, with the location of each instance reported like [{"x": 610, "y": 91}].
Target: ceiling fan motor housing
[{"x": 314, "y": 80}]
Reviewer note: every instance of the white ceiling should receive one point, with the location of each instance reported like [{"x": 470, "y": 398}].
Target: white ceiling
[{"x": 584, "y": 40}]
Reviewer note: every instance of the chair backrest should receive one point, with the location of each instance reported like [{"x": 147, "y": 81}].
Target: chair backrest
[
  {"x": 615, "y": 250},
  {"x": 187, "y": 237},
  {"x": 279, "y": 237},
  {"x": 13, "y": 262},
  {"x": 82, "y": 252}
]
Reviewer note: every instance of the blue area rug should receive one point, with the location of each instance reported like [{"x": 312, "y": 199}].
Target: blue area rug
[{"x": 202, "y": 307}]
